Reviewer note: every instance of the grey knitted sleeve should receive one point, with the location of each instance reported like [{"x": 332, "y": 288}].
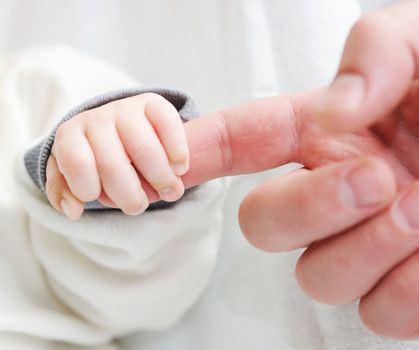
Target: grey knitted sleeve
[{"x": 36, "y": 158}]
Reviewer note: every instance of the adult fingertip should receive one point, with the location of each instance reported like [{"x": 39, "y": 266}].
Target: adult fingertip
[
  {"x": 375, "y": 72},
  {"x": 341, "y": 99},
  {"x": 363, "y": 315},
  {"x": 249, "y": 217},
  {"x": 369, "y": 321},
  {"x": 312, "y": 291}
]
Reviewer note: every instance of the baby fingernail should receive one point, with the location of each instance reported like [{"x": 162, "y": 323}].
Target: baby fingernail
[
  {"x": 180, "y": 168},
  {"x": 344, "y": 95},
  {"x": 137, "y": 211},
  {"x": 179, "y": 157},
  {"x": 363, "y": 186},
  {"x": 179, "y": 152},
  {"x": 407, "y": 210},
  {"x": 174, "y": 192},
  {"x": 169, "y": 194}
]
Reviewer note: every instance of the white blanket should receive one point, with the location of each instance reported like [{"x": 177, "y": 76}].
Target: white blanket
[{"x": 106, "y": 275}]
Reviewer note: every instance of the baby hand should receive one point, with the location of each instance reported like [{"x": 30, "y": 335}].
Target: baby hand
[{"x": 104, "y": 153}]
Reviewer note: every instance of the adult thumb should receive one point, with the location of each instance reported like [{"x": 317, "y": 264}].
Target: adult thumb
[{"x": 377, "y": 68}]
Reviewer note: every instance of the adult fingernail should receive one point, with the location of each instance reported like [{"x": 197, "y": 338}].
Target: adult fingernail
[
  {"x": 407, "y": 210},
  {"x": 343, "y": 95},
  {"x": 363, "y": 188}
]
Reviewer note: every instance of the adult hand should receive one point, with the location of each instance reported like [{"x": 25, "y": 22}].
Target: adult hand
[{"x": 355, "y": 206}]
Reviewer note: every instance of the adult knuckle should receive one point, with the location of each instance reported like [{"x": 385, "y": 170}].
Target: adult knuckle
[
  {"x": 405, "y": 286},
  {"x": 371, "y": 239},
  {"x": 369, "y": 23},
  {"x": 224, "y": 142}
]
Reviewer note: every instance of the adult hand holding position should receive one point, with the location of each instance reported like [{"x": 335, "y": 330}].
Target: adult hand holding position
[{"x": 357, "y": 207}]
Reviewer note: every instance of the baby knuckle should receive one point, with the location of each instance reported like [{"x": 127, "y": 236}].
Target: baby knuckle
[
  {"x": 98, "y": 118},
  {"x": 143, "y": 151},
  {"x": 90, "y": 120},
  {"x": 127, "y": 105},
  {"x": 108, "y": 167},
  {"x": 152, "y": 97},
  {"x": 170, "y": 125},
  {"x": 62, "y": 131},
  {"x": 124, "y": 122},
  {"x": 74, "y": 163},
  {"x": 81, "y": 117}
]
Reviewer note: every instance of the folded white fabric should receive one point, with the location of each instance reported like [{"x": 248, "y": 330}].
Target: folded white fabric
[{"x": 107, "y": 274}]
